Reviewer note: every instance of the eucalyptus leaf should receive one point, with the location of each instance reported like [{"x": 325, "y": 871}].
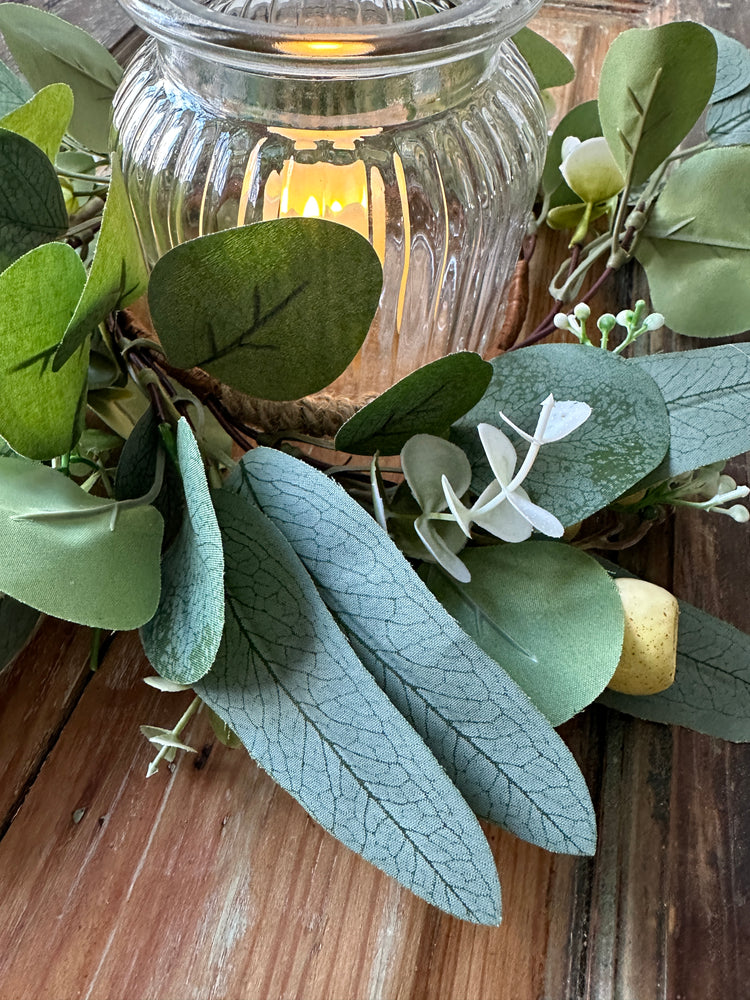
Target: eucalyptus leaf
[
  {"x": 13, "y": 91},
  {"x": 562, "y": 650},
  {"x": 119, "y": 407},
  {"x": 502, "y": 753},
  {"x": 32, "y": 207},
  {"x": 182, "y": 639},
  {"x": 118, "y": 274},
  {"x": 17, "y": 623},
  {"x": 277, "y": 309},
  {"x": 728, "y": 123},
  {"x": 550, "y": 66},
  {"x": 625, "y": 437},
  {"x": 85, "y": 568},
  {"x": 425, "y": 459},
  {"x": 44, "y": 119},
  {"x": 50, "y": 50},
  {"x": 581, "y": 122},
  {"x": 696, "y": 246},
  {"x": 41, "y": 409},
  {"x": 654, "y": 85},
  {"x": 288, "y": 684},
  {"x": 425, "y": 402},
  {"x": 732, "y": 67}
]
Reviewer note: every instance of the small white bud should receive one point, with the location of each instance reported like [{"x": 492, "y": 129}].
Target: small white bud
[
  {"x": 562, "y": 322},
  {"x": 606, "y": 323},
  {"x": 582, "y": 311},
  {"x": 625, "y": 317},
  {"x": 739, "y": 513},
  {"x": 654, "y": 322}
]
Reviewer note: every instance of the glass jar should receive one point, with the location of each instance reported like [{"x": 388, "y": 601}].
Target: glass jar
[{"x": 417, "y": 124}]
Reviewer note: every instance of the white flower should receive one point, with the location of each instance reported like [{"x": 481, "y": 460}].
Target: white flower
[{"x": 590, "y": 170}]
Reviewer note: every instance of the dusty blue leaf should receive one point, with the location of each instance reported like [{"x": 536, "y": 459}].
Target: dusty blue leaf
[
  {"x": 506, "y": 759},
  {"x": 182, "y": 638},
  {"x": 288, "y": 684},
  {"x": 732, "y": 67},
  {"x": 728, "y": 123},
  {"x": 17, "y": 622},
  {"x": 13, "y": 91}
]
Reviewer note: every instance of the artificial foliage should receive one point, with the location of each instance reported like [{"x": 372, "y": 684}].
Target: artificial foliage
[{"x": 393, "y": 638}]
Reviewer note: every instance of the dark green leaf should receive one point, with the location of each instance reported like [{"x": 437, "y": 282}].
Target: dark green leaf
[
  {"x": 13, "y": 91},
  {"x": 654, "y": 86},
  {"x": 32, "y": 207},
  {"x": 425, "y": 402},
  {"x": 182, "y": 638},
  {"x": 288, "y": 684},
  {"x": 17, "y": 622},
  {"x": 625, "y": 437},
  {"x": 561, "y": 650},
  {"x": 50, "y": 50},
  {"x": 44, "y": 119},
  {"x": 76, "y": 564},
  {"x": 728, "y": 123},
  {"x": 551, "y": 68},
  {"x": 277, "y": 309},
  {"x": 583, "y": 123},
  {"x": 696, "y": 246},
  {"x": 40, "y": 411},
  {"x": 508, "y": 762},
  {"x": 732, "y": 67}
]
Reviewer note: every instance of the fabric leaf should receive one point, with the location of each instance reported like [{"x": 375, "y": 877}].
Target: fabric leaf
[
  {"x": 550, "y": 66},
  {"x": 44, "y": 119},
  {"x": 13, "y": 91}
]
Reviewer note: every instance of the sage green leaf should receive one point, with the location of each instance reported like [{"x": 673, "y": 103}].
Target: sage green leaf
[
  {"x": 707, "y": 393},
  {"x": 625, "y": 437},
  {"x": 13, "y": 91},
  {"x": 425, "y": 402},
  {"x": 118, "y": 274},
  {"x": 41, "y": 409},
  {"x": 65, "y": 556},
  {"x": 44, "y": 119},
  {"x": 550, "y": 67},
  {"x": 182, "y": 638},
  {"x": 728, "y": 123},
  {"x": 732, "y": 67},
  {"x": 654, "y": 85},
  {"x": 17, "y": 623},
  {"x": 583, "y": 123},
  {"x": 277, "y": 309},
  {"x": 50, "y": 50},
  {"x": 119, "y": 408},
  {"x": 32, "y": 207},
  {"x": 503, "y": 755},
  {"x": 548, "y": 613},
  {"x": 696, "y": 246},
  {"x": 288, "y": 684}
]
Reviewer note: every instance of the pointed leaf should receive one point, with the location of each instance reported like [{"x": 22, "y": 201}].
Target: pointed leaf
[
  {"x": 502, "y": 753},
  {"x": 44, "y": 119},
  {"x": 40, "y": 413},
  {"x": 425, "y": 402},
  {"x": 13, "y": 91},
  {"x": 277, "y": 309},
  {"x": 732, "y": 67},
  {"x": 50, "y": 50},
  {"x": 84, "y": 569},
  {"x": 17, "y": 623},
  {"x": 287, "y": 683},
  {"x": 625, "y": 437},
  {"x": 182, "y": 638},
  {"x": 551, "y": 67}
]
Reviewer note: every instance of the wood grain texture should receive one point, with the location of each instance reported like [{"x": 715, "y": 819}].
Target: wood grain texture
[{"x": 208, "y": 882}]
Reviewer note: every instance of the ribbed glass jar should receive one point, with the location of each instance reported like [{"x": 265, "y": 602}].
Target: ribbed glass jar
[{"x": 419, "y": 126}]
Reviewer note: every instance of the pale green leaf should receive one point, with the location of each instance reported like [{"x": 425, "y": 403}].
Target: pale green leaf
[
  {"x": 696, "y": 246},
  {"x": 119, "y": 408},
  {"x": 182, "y": 638},
  {"x": 288, "y": 684},
  {"x": 548, "y": 613},
  {"x": 65, "y": 557},
  {"x": 625, "y": 437},
  {"x": 728, "y": 123},
  {"x": 32, "y": 207},
  {"x": 44, "y": 119},
  {"x": 502, "y": 753},
  {"x": 583, "y": 123},
  {"x": 118, "y": 273},
  {"x": 425, "y": 402},
  {"x": 425, "y": 459},
  {"x": 653, "y": 88},
  {"x": 50, "y": 50},
  {"x": 277, "y": 309},
  {"x": 17, "y": 622},
  {"x": 550, "y": 66},
  {"x": 40, "y": 412},
  {"x": 732, "y": 67},
  {"x": 13, "y": 91}
]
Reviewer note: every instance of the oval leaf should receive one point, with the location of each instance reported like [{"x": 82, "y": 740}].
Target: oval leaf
[
  {"x": 732, "y": 67},
  {"x": 44, "y": 119},
  {"x": 551, "y": 67},
  {"x": 425, "y": 402},
  {"x": 13, "y": 91},
  {"x": 85, "y": 569},
  {"x": 728, "y": 123},
  {"x": 287, "y": 683},
  {"x": 277, "y": 309}
]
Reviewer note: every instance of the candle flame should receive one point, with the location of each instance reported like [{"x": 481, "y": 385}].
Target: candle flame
[{"x": 311, "y": 209}]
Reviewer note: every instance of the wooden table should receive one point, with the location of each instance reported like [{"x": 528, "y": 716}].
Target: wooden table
[{"x": 209, "y": 882}]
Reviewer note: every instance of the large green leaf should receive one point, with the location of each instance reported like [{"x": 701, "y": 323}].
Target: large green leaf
[
  {"x": 654, "y": 85},
  {"x": 696, "y": 245},
  {"x": 508, "y": 762},
  {"x": 44, "y": 119},
  {"x": 13, "y": 91},
  {"x": 182, "y": 638},
  {"x": 425, "y": 402},
  {"x": 118, "y": 273},
  {"x": 583, "y": 123},
  {"x": 40, "y": 411},
  {"x": 625, "y": 437},
  {"x": 287, "y": 683},
  {"x": 50, "y": 50},
  {"x": 551, "y": 67},
  {"x": 17, "y": 622},
  {"x": 32, "y": 207},
  {"x": 728, "y": 123},
  {"x": 707, "y": 393},
  {"x": 64, "y": 555},
  {"x": 548, "y": 613},
  {"x": 732, "y": 67},
  {"x": 277, "y": 309}
]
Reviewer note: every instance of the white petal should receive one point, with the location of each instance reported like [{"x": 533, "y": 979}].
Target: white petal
[
  {"x": 462, "y": 514},
  {"x": 567, "y": 416},
  {"x": 499, "y": 451},
  {"x": 505, "y": 522},
  {"x": 439, "y": 551},
  {"x": 539, "y": 518},
  {"x": 570, "y": 143},
  {"x": 592, "y": 172}
]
